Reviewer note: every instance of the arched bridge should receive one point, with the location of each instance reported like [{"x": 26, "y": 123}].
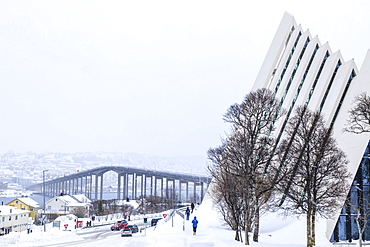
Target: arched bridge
[{"x": 132, "y": 183}]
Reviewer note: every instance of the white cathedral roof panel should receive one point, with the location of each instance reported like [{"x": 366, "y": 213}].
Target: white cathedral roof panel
[
  {"x": 274, "y": 52},
  {"x": 294, "y": 87},
  {"x": 294, "y": 62},
  {"x": 323, "y": 82},
  {"x": 337, "y": 89},
  {"x": 311, "y": 75}
]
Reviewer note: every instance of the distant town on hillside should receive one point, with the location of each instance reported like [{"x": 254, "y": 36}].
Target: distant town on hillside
[{"x": 20, "y": 170}]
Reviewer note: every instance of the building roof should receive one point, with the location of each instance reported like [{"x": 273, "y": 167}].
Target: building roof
[
  {"x": 65, "y": 198},
  {"x": 69, "y": 199},
  {"x": 28, "y": 201},
  {"x": 73, "y": 200},
  {"x": 79, "y": 204},
  {"x": 82, "y": 198},
  {"x": 10, "y": 210}
]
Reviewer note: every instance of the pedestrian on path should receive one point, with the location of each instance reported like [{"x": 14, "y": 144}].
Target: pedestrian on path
[
  {"x": 195, "y": 225},
  {"x": 192, "y": 207},
  {"x": 187, "y": 212}
]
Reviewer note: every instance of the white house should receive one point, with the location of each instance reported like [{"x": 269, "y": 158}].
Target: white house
[
  {"x": 63, "y": 205},
  {"x": 13, "y": 219}
]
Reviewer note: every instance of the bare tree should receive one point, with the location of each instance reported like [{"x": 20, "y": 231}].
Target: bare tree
[
  {"x": 128, "y": 209},
  {"x": 361, "y": 217},
  {"x": 359, "y": 115},
  {"x": 318, "y": 168},
  {"x": 227, "y": 192},
  {"x": 358, "y": 205},
  {"x": 97, "y": 208},
  {"x": 150, "y": 204},
  {"x": 112, "y": 205},
  {"x": 249, "y": 146},
  {"x": 80, "y": 212},
  {"x": 171, "y": 198}
]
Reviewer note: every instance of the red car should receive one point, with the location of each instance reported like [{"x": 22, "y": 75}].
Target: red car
[{"x": 119, "y": 225}]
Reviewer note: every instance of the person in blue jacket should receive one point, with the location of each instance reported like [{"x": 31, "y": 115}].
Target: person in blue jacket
[
  {"x": 195, "y": 225},
  {"x": 187, "y": 212}
]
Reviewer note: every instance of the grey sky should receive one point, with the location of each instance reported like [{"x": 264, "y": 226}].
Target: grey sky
[{"x": 152, "y": 77}]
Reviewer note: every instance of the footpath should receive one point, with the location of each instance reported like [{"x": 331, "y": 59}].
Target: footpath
[{"x": 178, "y": 232}]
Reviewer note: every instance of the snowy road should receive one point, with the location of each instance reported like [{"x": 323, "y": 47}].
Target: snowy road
[
  {"x": 94, "y": 238},
  {"x": 97, "y": 237}
]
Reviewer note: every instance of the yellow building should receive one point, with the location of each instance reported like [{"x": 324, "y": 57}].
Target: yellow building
[{"x": 26, "y": 203}]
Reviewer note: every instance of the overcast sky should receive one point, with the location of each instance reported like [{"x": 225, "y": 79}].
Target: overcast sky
[{"x": 151, "y": 77}]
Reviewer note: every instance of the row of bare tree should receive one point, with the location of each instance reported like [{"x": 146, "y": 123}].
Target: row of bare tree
[
  {"x": 300, "y": 169},
  {"x": 146, "y": 205}
]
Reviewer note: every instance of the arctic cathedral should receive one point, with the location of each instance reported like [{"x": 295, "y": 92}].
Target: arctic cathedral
[{"x": 300, "y": 71}]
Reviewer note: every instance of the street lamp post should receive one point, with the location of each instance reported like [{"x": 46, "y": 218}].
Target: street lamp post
[{"x": 43, "y": 190}]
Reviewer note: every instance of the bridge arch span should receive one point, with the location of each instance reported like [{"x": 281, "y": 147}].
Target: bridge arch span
[{"x": 131, "y": 183}]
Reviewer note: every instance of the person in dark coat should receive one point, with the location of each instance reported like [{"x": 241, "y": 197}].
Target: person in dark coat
[
  {"x": 192, "y": 207},
  {"x": 187, "y": 212},
  {"x": 195, "y": 225}
]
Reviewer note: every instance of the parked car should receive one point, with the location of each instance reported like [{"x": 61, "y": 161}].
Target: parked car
[
  {"x": 154, "y": 221},
  {"x": 119, "y": 225},
  {"x": 126, "y": 231},
  {"x": 134, "y": 228}
]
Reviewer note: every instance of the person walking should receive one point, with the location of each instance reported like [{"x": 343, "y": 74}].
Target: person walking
[
  {"x": 195, "y": 225},
  {"x": 192, "y": 207},
  {"x": 187, "y": 212}
]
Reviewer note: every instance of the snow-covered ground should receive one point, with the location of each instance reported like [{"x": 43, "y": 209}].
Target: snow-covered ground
[
  {"x": 212, "y": 232},
  {"x": 275, "y": 232}
]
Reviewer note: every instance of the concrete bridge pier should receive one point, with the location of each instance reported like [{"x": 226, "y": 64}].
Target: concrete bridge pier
[
  {"x": 119, "y": 186},
  {"x": 144, "y": 185},
  {"x": 162, "y": 187},
  {"x": 91, "y": 185}
]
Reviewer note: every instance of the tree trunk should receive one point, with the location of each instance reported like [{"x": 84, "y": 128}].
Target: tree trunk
[
  {"x": 310, "y": 231},
  {"x": 313, "y": 222},
  {"x": 256, "y": 223},
  {"x": 358, "y": 221},
  {"x": 246, "y": 233},
  {"x": 237, "y": 234},
  {"x": 246, "y": 219},
  {"x": 246, "y": 223},
  {"x": 308, "y": 225}
]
